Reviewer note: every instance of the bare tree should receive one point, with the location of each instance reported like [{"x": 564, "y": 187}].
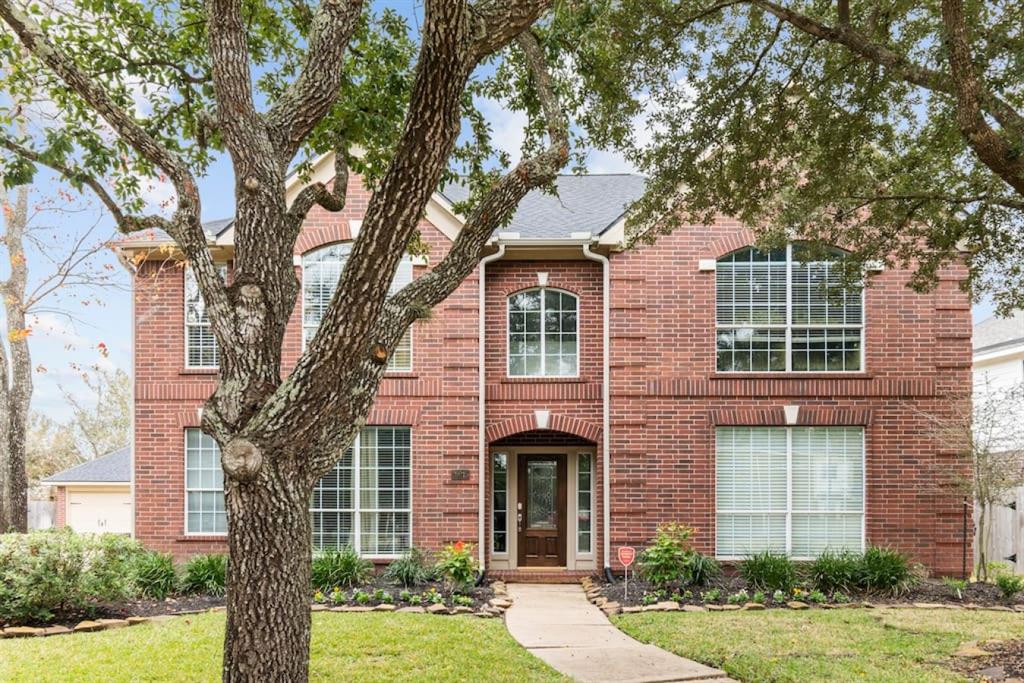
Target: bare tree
[
  {"x": 986, "y": 430},
  {"x": 101, "y": 416}
]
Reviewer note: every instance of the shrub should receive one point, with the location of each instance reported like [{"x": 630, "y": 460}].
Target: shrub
[
  {"x": 713, "y": 595},
  {"x": 205, "y": 575},
  {"x": 153, "y": 575},
  {"x": 956, "y": 586},
  {"x": 739, "y": 597},
  {"x": 457, "y": 565},
  {"x": 816, "y": 597},
  {"x": 840, "y": 598},
  {"x": 834, "y": 571},
  {"x": 701, "y": 569},
  {"x": 884, "y": 570},
  {"x": 759, "y": 597},
  {"x": 667, "y": 559},
  {"x": 779, "y": 596},
  {"x": 768, "y": 571},
  {"x": 1010, "y": 584},
  {"x": 411, "y": 569},
  {"x": 46, "y": 573},
  {"x": 333, "y": 568}
]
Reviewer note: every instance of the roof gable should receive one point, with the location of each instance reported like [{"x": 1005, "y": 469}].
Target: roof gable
[{"x": 113, "y": 468}]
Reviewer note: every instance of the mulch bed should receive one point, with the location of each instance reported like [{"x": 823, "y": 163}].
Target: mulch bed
[
  {"x": 480, "y": 595},
  {"x": 183, "y": 604},
  {"x": 1004, "y": 664},
  {"x": 927, "y": 591}
]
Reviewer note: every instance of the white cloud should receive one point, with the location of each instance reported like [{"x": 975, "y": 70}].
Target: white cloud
[{"x": 507, "y": 126}]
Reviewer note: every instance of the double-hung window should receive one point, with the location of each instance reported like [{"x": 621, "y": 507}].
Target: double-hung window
[
  {"x": 321, "y": 271},
  {"x": 204, "y": 485},
  {"x": 200, "y": 344},
  {"x": 794, "y": 490},
  {"x": 365, "y": 501},
  {"x": 542, "y": 334},
  {"x": 780, "y": 311}
]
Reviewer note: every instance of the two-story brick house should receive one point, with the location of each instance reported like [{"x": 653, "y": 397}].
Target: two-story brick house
[{"x": 696, "y": 380}]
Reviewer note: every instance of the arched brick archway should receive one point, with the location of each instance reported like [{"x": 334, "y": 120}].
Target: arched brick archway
[{"x": 558, "y": 423}]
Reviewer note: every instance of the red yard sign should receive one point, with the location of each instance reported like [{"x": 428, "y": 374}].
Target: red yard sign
[{"x": 627, "y": 554}]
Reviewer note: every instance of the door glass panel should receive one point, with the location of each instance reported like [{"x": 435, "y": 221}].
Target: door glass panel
[{"x": 542, "y": 487}]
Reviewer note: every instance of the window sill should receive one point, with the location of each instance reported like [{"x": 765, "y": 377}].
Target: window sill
[
  {"x": 792, "y": 375},
  {"x": 401, "y": 375},
  {"x": 202, "y": 538},
  {"x": 200, "y": 371},
  {"x": 544, "y": 380}
]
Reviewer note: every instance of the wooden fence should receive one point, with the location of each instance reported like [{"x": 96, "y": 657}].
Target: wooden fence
[
  {"x": 41, "y": 514},
  {"x": 1007, "y": 538}
]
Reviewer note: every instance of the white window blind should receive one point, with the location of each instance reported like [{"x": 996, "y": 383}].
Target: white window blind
[
  {"x": 779, "y": 311},
  {"x": 321, "y": 271},
  {"x": 200, "y": 344},
  {"x": 795, "y": 490}
]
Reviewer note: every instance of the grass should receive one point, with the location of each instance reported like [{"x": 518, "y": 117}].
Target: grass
[
  {"x": 363, "y": 647},
  {"x": 894, "y": 645}
]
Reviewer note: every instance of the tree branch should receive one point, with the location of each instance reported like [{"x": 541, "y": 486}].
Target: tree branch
[
  {"x": 498, "y": 22},
  {"x": 320, "y": 194}
]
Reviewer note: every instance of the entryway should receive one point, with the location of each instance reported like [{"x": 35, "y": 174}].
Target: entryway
[{"x": 542, "y": 511}]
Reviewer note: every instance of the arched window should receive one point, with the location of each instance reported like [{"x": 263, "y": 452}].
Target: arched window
[
  {"x": 321, "y": 271},
  {"x": 781, "y": 311},
  {"x": 542, "y": 333}
]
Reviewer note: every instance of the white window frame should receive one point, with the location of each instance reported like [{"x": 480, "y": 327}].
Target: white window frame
[
  {"x": 789, "y": 492},
  {"x": 589, "y": 552},
  {"x": 508, "y": 499},
  {"x": 392, "y": 368},
  {"x": 186, "y": 274},
  {"x": 789, "y": 327},
  {"x": 357, "y": 508},
  {"x": 187, "y": 490},
  {"x": 543, "y": 335}
]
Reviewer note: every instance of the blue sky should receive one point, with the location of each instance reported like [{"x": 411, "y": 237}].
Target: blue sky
[{"x": 63, "y": 347}]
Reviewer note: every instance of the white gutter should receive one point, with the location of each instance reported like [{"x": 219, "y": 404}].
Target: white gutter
[
  {"x": 482, "y": 410},
  {"x": 605, "y": 401}
]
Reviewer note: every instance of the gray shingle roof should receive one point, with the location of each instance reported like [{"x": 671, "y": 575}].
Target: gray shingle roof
[
  {"x": 585, "y": 203},
  {"x": 994, "y": 332},
  {"x": 114, "y": 467}
]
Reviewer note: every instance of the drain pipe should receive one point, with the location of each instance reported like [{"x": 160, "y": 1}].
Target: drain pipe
[
  {"x": 606, "y": 380},
  {"x": 481, "y": 414}
]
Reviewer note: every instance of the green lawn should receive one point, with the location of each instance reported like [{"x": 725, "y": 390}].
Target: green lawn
[
  {"x": 363, "y": 647},
  {"x": 909, "y": 645}
]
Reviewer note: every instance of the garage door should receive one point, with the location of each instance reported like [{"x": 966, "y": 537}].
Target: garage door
[{"x": 100, "y": 511}]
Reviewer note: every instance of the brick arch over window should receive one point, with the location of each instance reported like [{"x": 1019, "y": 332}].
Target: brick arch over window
[
  {"x": 316, "y": 237},
  {"x": 393, "y": 417},
  {"x": 552, "y": 284},
  {"x": 558, "y": 423},
  {"x": 726, "y": 244},
  {"x": 184, "y": 419}
]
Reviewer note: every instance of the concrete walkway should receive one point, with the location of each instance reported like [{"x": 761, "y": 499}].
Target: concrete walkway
[{"x": 557, "y": 624}]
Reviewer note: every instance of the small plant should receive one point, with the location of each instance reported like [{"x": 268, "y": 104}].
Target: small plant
[
  {"x": 341, "y": 567},
  {"x": 361, "y": 597},
  {"x": 956, "y": 586},
  {"x": 739, "y": 597},
  {"x": 648, "y": 599},
  {"x": 387, "y": 599},
  {"x": 701, "y": 569},
  {"x": 779, "y": 596},
  {"x": 318, "y": 596},
  {"x": 676, "y": 597},
  {"x": 884, "y": 570},
  {"x": 433, "y": 597},
  {"x": 463, "y": 600},
  {"x": 337, "y": 597},
  {"x": 457, "y": 565},
  {"x": 816, "y": 597},
  {"x": 840, "y": 598},
  {"x": 759, "y": 597},
  {"x": 711, "y": 595},
  {"x": 405, "y": 596},
  {"x": 667, "y": 559},
  {"x": 411, "y": 569},
  {"x": 1010, "y": 584},
  {"x": 153, "y": 575},
  {"x": 834, "y": 571},
  {"x": 769, "y": 571},
  {"x": 379, "y": 594},
  {"x": 205, "y": 574}
]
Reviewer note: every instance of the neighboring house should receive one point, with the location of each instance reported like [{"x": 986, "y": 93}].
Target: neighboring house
[
  {"x": 999, "y": 364},
  {"x": 694, "y": 380},
  {"x": 95, "y": 496}
]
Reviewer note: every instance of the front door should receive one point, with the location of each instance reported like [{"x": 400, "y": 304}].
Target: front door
[{"x": 541, "y": 513}]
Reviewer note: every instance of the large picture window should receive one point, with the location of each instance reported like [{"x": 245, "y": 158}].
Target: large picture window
[
  {"x": 321, "y": 271},
  {"x": 204, "y": 485},
  {"x": 794, "y": 490},
  {"x": 200, "y": 345},
  {"x": 365, "y": 501},
  {"x": 542, "y": 334},
  {"x": 779, "y": 311}
]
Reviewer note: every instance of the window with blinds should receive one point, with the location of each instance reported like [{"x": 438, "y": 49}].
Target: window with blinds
[
  {"x": 321, "y": 271},
  {"x": 365, "y": 501},
  {"x": 779, "y": 311},
  {"x": 204, "y": 485},
  {"x": 793, "y": 490},
  {"x": 200, "y": 345}
]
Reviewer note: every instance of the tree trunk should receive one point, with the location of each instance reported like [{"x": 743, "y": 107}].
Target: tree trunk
[{"x": 268, "y": 590}]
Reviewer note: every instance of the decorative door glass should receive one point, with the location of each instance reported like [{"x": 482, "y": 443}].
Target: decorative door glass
[{"x": 542, "y": 494}]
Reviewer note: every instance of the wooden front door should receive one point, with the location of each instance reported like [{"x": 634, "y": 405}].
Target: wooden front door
[{"x": 541, "y": 511}]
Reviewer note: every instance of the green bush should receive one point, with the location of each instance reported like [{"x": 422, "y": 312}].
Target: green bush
[
  {"x": 47, "y": 573},
  {"x": 884, "y": 570},
  {"x": 834, "y": 571},
  {"x": 1010, "y": 584},
  {"x": 769, "y": 571},
  {"x": 343, "y": 567},
  {"x": 701, "y": 569},
  {"x": 411, "y": 569},
  {"x": 457, "y": 565},
  {"x": 205, "y": 575},
  {"x": 666, "y": 560},
  {"x": 153, "y": 575}
]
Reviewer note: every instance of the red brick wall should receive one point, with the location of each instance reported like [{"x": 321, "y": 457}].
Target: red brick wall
[
  {"x": 60, "y": 515},
  {"x": 666, "y": 397}
]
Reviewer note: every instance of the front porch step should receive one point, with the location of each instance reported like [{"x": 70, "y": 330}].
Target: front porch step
[{"x": 539, "y": 575}]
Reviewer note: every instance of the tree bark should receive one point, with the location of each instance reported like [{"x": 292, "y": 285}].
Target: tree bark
[{"x": 268, "y": 588}]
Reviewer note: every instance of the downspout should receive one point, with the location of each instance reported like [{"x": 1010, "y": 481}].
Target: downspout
[
  {"x": 606, "y": 380},
  {"x": 481, "y": 414}
]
